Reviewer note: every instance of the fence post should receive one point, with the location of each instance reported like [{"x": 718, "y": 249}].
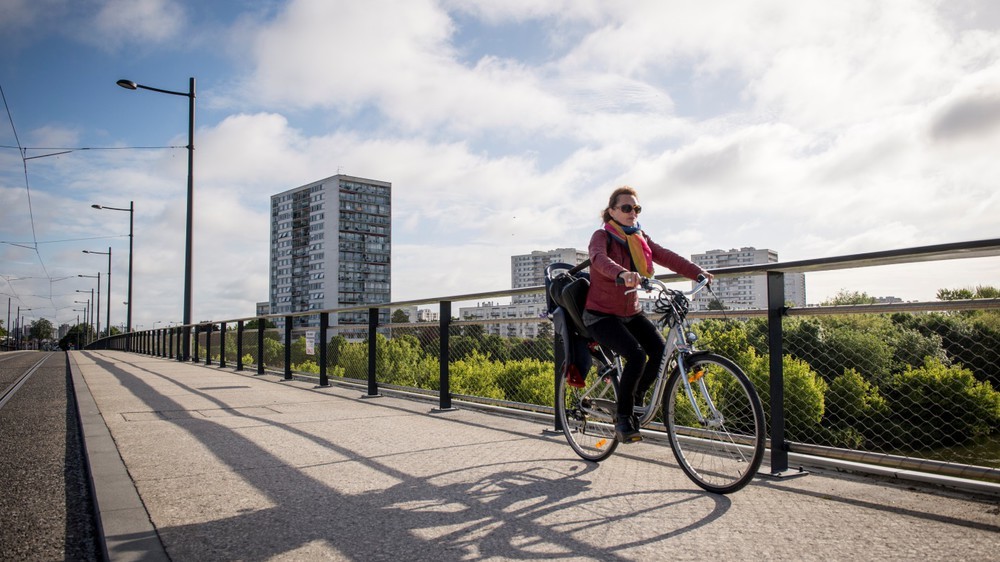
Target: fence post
[
  {"x": 222, "y": 345},
  {"x": 196, "y": 330},
  {"x": 445, "y": 357},
  {"x": 288, "y": 348},
  {"x": 324, "y": 321},
  {"x": 208, "y": 343},
  {"x": 239, "y": 345},
  {"x": 260, "y": 345},
  {"x": 372, "y": 352},
  {"x": 180, "y": 344},
  {"x": 776, "y": 310},
  {"x": 557, "y": 356}
]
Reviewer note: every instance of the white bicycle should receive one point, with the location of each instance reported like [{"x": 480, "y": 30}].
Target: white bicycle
[{"x": 712, "y": 415}]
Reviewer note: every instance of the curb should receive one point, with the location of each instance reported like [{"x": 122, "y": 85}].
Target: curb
[{"x": 123, "y": 526}]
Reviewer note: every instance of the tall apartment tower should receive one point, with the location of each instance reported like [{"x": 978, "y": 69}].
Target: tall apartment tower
[
  {"x": 331, "y": 243},
  {"x": 745, "y": 292},
  {"x": 528, "y": 270}
]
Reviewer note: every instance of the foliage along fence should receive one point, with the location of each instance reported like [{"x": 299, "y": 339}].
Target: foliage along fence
[{"x": 920, "y": 384}]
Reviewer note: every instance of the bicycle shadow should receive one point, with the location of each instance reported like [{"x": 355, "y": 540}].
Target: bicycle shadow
[{"x": 518, "y": 508}]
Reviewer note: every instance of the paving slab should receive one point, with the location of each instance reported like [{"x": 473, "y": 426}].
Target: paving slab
[{"x": 235, "y": 466}]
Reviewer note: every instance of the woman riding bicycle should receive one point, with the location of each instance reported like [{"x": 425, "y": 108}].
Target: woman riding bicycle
[{"x": 620, "y": 255}]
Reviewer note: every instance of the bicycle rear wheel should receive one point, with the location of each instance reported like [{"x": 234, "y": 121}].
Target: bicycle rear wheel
[
  {"x": 720, "y": 450},
  {"x": 587, "y": 414}
]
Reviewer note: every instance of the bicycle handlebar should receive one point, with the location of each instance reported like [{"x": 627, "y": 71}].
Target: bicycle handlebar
[{"x": 649, "y": 283}]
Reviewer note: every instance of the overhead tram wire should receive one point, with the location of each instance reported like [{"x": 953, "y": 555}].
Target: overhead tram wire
[
  {"x": 68, "y": 149},
  {"x": 22, "y": 244},
  {"x": 24, "y": 163},
  {"x": 23, "y": 152}
]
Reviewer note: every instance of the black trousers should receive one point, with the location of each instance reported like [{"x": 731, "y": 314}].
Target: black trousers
[{"x": 640, "y": 344}]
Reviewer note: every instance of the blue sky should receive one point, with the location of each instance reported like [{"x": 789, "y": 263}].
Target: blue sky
[{"x": 812, "y": 128}]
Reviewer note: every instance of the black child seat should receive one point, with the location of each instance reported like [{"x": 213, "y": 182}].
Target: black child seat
[
  {"x": 566, "y": 295},
  {"x": 568, "y": 291}
]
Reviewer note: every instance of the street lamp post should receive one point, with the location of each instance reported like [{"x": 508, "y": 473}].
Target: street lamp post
[
  {"x": 97, "y": 306},
  {"x": 107, "y": 324},
  {"x": 78, "y": 327},
  {"x": 131, "y": 222},
  {"x": 89, "y": 316},
  {"x": 20, "y": 326},
  {"x": 130, "y": 85}
]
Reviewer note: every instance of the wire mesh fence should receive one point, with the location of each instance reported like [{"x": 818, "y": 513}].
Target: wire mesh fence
[
  {"x": 918, "y": 382},
  {"x": 920, "y": 385}
]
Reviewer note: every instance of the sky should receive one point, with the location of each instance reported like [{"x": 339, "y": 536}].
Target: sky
[{"x": 816, "y": 129}]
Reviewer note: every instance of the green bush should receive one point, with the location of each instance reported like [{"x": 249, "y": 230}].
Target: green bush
[
  {"x": 804, "y": 393},
  {"x": 476, "y": 375},
  {"x": 274, "y": 352},
  {"x": 306, "y": 367},
  {"x": 529, "y": 381},
  {"x": 939, "y": 406},
  {"x": 851, "y": 401}
]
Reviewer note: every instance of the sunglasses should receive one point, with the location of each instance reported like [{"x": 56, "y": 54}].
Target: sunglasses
[{"x": 627, "y": 208}]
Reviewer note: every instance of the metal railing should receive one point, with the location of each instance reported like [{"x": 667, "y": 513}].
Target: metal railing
[{"x": 910, "y": 386}]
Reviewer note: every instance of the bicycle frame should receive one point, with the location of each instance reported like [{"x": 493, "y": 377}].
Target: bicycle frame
[{"x": 678, "y": 348}]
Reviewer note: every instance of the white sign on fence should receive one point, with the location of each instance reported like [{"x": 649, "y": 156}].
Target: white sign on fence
[{"x": 310, "y": 343}]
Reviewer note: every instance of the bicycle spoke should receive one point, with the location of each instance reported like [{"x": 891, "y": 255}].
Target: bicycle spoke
[
  {"x": 717, "y": 431},
  {"x": 586, "y": 416}
]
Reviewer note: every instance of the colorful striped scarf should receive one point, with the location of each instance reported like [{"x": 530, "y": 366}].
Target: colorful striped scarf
[{"x": 642, "y": 256}]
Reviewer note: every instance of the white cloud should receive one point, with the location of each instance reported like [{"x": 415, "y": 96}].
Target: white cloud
[
  {"x": 19, "y": 16},
  {"x": 812, "y": 129},
  {"x": 144, "y": 21}
]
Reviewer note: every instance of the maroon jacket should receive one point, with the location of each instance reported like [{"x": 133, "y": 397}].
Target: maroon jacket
[{"x": 606, "y": 259}]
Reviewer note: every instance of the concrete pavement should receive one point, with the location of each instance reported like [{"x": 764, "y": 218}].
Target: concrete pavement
[{"x": 203, "y": 463}]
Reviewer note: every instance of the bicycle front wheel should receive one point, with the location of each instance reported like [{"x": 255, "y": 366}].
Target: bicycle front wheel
[
  {"x": 715, "y": 423},
  {"x": 587, "y": 414}
]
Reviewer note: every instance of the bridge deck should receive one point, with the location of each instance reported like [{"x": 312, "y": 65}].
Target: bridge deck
[{"x": 207, "y": 463}]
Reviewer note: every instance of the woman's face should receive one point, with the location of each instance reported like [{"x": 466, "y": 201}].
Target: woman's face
[{"x": 619, "y": 214}]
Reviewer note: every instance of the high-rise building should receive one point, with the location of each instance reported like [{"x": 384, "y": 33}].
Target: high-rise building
[
  {"x": 745, "y": 292},
  {"x": 330, "y": 247},
  {"x": 528, "y": 270}
]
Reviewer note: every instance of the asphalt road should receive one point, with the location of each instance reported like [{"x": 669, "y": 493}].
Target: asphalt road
[{"x": 46, "y": 512}]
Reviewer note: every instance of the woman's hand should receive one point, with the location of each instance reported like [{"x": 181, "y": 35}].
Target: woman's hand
[{"x": 630, "y": 278}]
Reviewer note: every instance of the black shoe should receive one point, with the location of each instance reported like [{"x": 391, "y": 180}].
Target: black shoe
[{"x": 626, "y": 432}]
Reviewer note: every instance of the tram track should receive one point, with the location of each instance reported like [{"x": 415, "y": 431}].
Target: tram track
[
  {"x": 12, "y": 389},
  {"x": 46, "y": 504}
]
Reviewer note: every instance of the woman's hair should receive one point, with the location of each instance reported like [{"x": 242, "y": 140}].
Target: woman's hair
[{"x": 623, "y": 190}]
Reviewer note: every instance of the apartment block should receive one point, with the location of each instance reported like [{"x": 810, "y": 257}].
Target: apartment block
[
  {"x": 528, "y": 270},
  {"x": 331, "y": 244},
  {"x": 745, "y": 292}
]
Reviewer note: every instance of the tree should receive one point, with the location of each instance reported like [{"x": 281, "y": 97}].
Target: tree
[
  {"x": 41, "y": 329},
  {"x": 77, "y": 336},
  {"x": 252, "y": 324},
  {"x": 333, "y": 349},
  {"x": 849, "y": 297},
  {"x": 954, "y": 294},
  {"x": 474, "y": 331},
  {"x": 399, "y": 316},
  {"x": 716, "y": 304}
]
